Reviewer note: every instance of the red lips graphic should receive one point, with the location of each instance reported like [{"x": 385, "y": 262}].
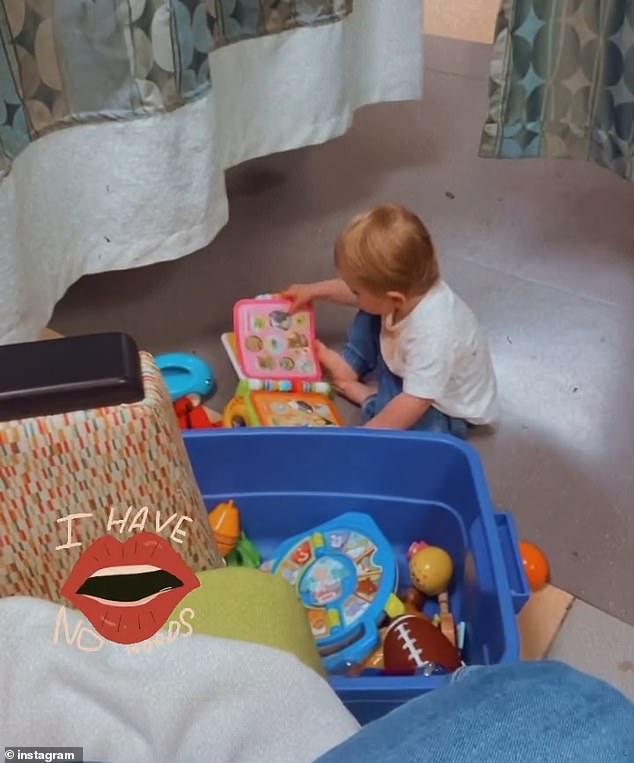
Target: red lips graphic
[{"x": 129, "y": 590}]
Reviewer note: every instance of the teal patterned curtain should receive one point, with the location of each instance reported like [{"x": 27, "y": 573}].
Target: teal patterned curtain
[
  {"x": 562, "y": 82},
  {"x": 68, "y": 61}
]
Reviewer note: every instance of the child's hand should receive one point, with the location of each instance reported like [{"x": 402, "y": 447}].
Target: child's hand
[
  {"x": 335, "y": 290},
  {"x": 300, "y": 295}
]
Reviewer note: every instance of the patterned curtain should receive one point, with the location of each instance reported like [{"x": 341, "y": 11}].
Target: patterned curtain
[
  {"x": 68, "y": 61},
  {"x": 562, "y": 82}
]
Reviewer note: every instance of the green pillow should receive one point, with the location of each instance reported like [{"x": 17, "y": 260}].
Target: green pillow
[{"x": 250, "y": 605}]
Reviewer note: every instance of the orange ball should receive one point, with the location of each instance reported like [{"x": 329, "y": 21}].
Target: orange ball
[{"x": 535, "y": 564}]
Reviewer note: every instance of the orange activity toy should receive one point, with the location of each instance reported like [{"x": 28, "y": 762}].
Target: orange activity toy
[
  {"x": 224, "y": 521},
  {"x": 536, "y": 565}
]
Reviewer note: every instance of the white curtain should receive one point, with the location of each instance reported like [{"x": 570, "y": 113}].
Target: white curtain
[{"x": 119, "y": 195}]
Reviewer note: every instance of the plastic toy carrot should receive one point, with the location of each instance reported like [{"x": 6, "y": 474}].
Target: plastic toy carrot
[{"x": 224, "y": 521}]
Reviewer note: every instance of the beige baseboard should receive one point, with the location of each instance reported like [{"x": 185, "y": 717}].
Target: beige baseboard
[
  {"x": 541, "y": 619},
  {"x": 50, "y": 334}
]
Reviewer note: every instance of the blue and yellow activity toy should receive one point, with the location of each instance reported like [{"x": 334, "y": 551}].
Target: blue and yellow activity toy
[{"x": 345, "y": 572}]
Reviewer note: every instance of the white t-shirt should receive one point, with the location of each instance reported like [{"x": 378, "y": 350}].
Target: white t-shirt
[{"x": 440, "y": 354}]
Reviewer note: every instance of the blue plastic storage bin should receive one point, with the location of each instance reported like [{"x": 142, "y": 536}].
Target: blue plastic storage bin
[{"x": 416, "y": 487}]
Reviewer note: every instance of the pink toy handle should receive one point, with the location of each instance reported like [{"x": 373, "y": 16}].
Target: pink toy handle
[{"x": 418, "y": 545}]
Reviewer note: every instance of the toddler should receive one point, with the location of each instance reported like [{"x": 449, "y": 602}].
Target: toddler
[{"x": 415, "y": 338}]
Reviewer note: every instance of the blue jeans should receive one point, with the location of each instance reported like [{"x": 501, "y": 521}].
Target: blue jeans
[
  {"x": 532, "y": 712},
  {"x": 363, "y": 353}
]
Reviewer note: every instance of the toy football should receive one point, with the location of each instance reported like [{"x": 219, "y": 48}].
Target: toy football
[{"x": 412, "y": 643}]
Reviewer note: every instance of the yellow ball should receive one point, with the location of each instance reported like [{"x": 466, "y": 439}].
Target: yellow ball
[{"x": 431, "y": 569}]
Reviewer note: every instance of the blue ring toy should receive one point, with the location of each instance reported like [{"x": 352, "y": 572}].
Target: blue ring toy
[{"x": 185, "y": 374}]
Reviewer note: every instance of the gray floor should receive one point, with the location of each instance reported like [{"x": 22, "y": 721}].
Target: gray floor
[
  {"x": 598, "y": 644},
  {"x": 543, "y": 251}
]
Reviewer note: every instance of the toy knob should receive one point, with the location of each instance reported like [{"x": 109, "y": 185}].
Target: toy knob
[{"x": 224, "y": 521}]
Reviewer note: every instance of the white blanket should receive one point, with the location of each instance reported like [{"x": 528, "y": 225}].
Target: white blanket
[
  {"x": 198, "y": 699},
  {"x": 122, "y": 194}
]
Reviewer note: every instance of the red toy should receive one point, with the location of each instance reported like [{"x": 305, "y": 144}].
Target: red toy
[{"x": 192, "y": 415}]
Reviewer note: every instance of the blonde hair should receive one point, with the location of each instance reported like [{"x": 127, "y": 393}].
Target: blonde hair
[{"x": 388, "y": 249}]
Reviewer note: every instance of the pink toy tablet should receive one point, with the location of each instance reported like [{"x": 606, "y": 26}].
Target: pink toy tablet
[{"x": 272, "y": 343}]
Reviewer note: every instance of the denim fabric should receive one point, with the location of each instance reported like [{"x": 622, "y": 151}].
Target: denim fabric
[
  {"x": 363, "y": 353},
  {"x": 532, "y": 712}
]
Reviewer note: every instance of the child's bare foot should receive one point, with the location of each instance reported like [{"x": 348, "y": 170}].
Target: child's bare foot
[
  {"x": 355, "y": 391},
  {"x": 343, "y": 378},
  {"x": 338, "y": 370}
]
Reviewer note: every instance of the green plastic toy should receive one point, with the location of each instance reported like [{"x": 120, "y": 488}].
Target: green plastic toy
[{"x": 245, "y": 554}]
